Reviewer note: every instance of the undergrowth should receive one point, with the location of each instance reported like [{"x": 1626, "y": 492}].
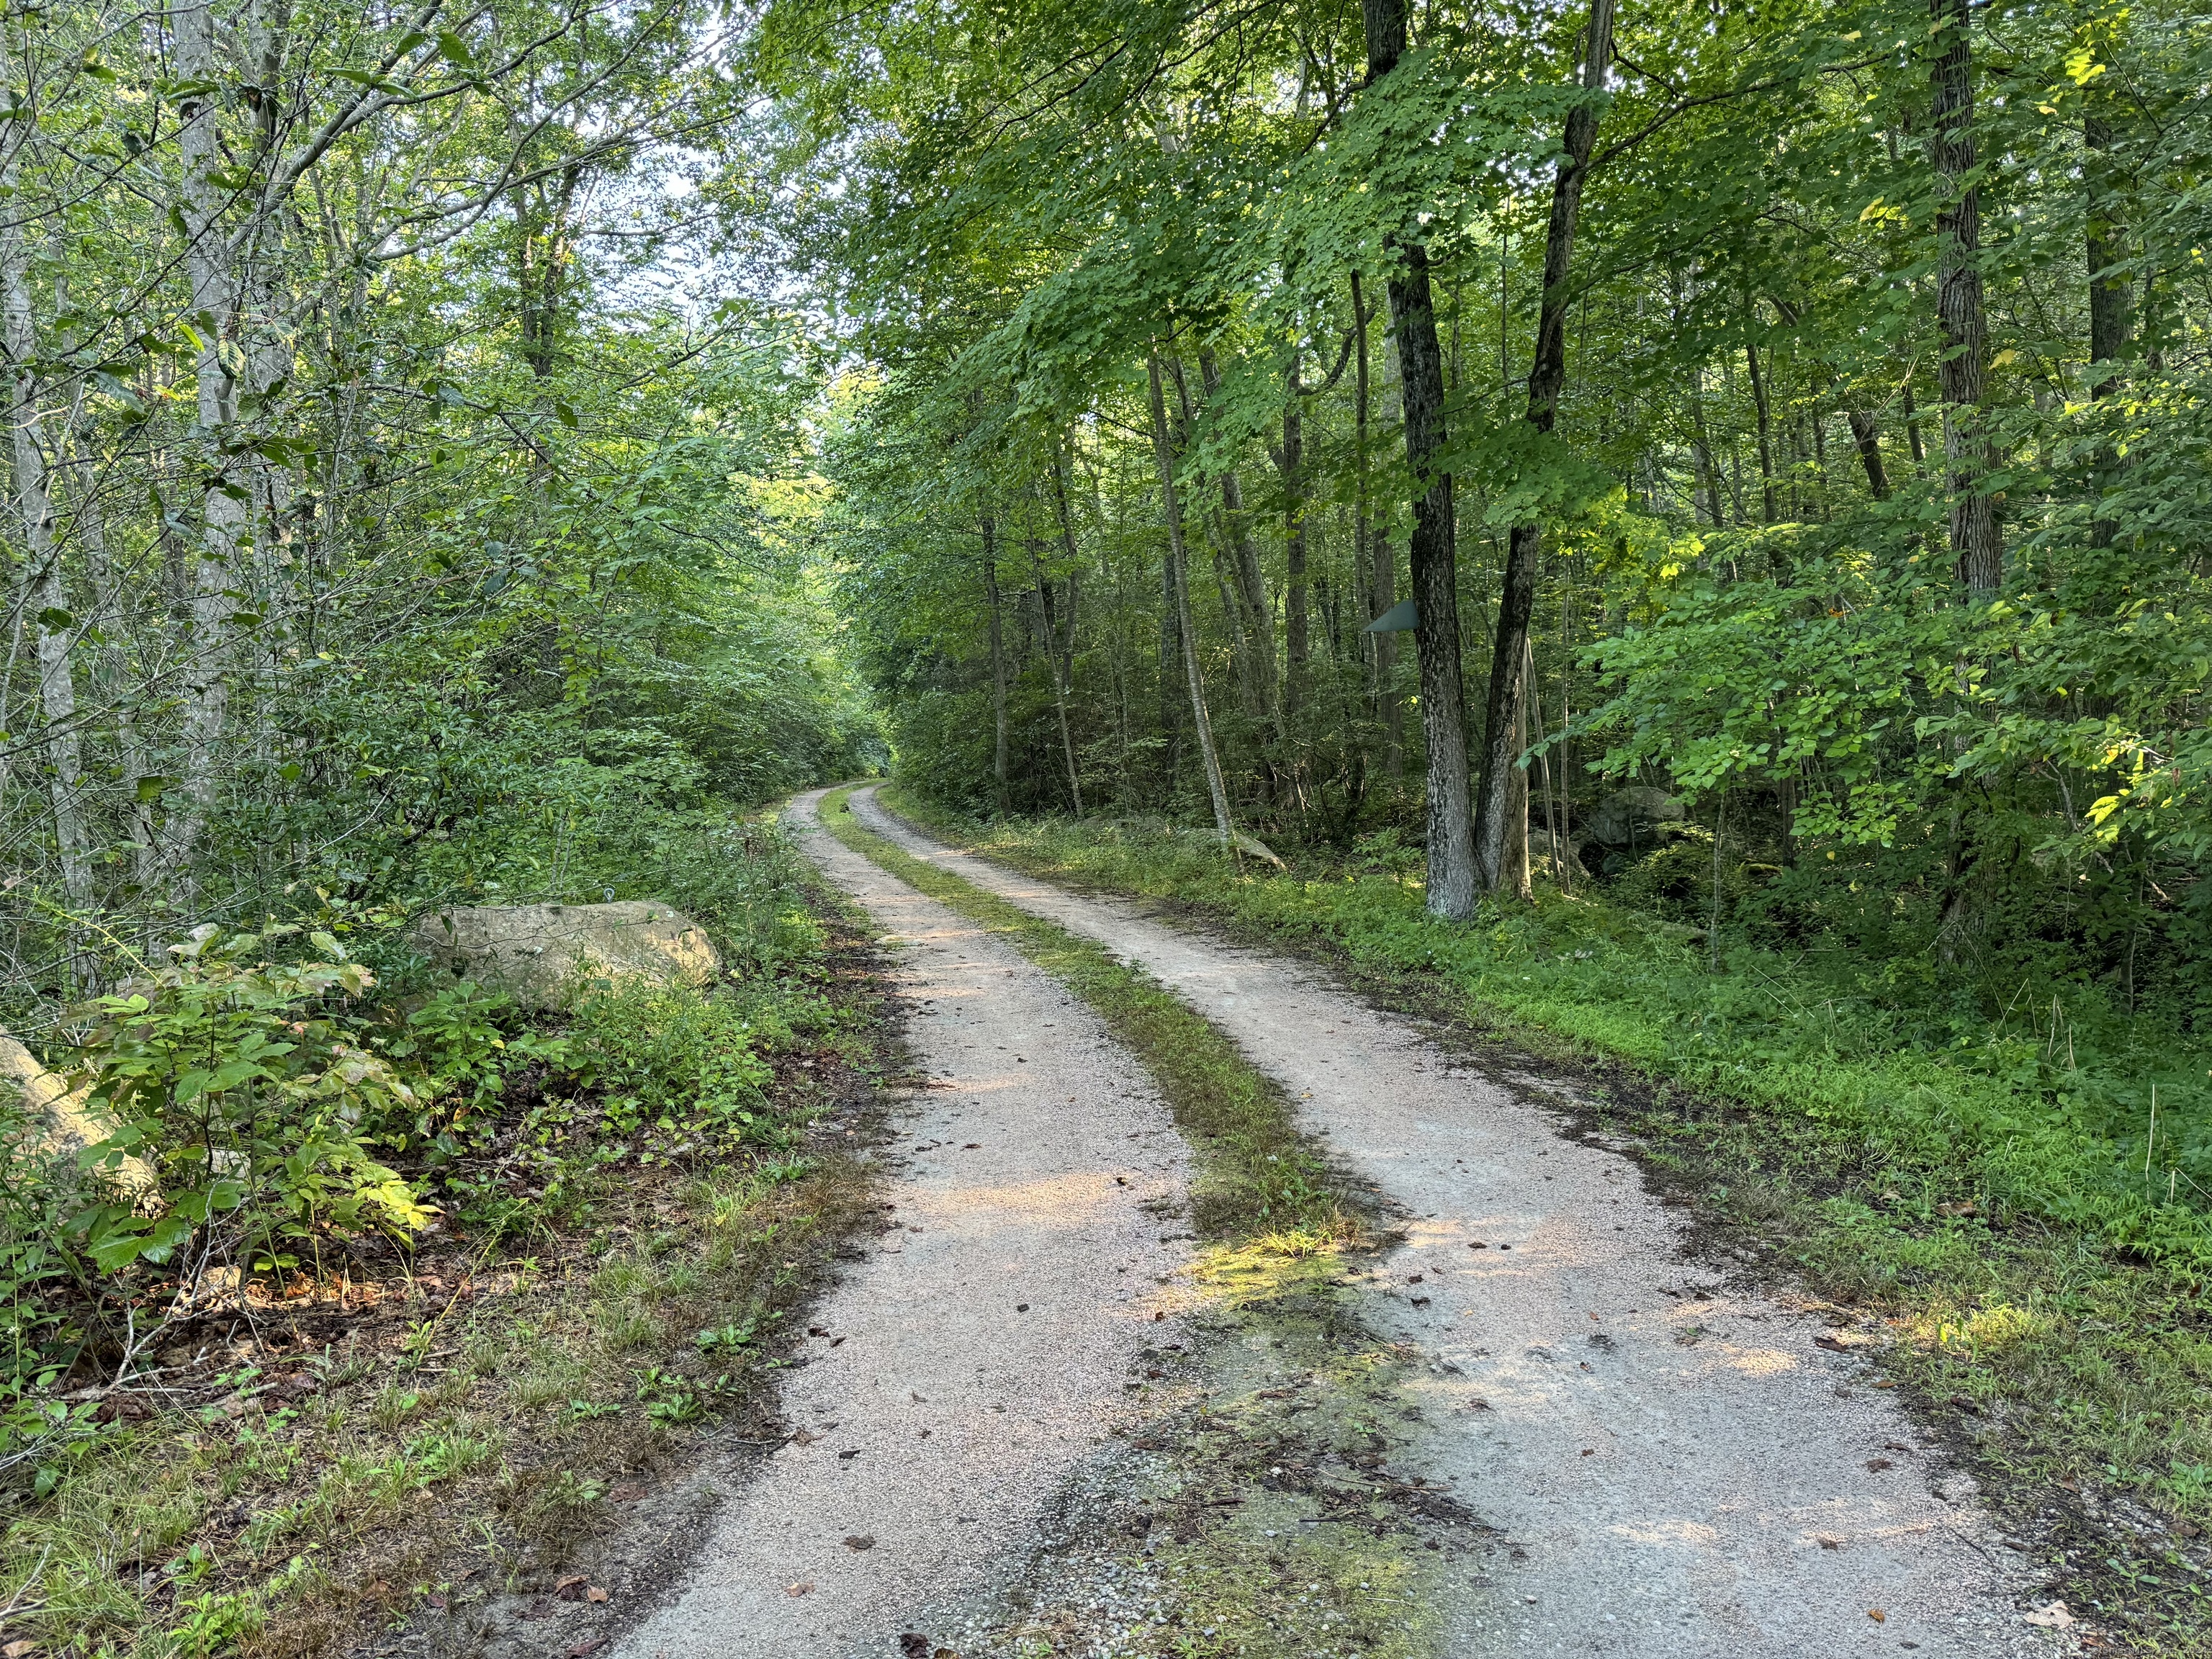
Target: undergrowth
[{"x": 612, "y": 1210}]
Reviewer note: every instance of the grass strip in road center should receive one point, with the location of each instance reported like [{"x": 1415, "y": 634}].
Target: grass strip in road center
[
  {"x": 1260, "y": 1187},
  {"x": 1270, "y": 1523}
]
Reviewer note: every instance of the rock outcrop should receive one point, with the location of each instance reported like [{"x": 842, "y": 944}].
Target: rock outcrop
[
  {"x": 62, "y": 1122},
  {"x": 545, "y": 955}
]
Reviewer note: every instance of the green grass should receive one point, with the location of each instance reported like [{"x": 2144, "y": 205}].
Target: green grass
[{"x": 2046, "y": 1317}]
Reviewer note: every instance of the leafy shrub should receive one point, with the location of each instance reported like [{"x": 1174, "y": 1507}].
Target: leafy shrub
[
  {"x": 666, "y": 1058},
  {"x": 459, "y": 1043},
  {"x": 257, "y": 1107}
]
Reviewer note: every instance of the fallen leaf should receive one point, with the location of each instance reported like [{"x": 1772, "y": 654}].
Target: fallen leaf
[
  {"x": 1884, "y": 1383},
  {"x": 17, "y": 1649},
  {"x": 588, "y": 1646},
  {"x": 595, "y": 1594},
  {"x": 844, "y": 1457},
  {"x": 1159, "y": 1317},
  {"x": 2056, "y": 1616},
  {"x": 1828, "y": 1543},
  {"x": 973, "y": 1146},
  {"x": 859, "y": 1542},
  {"x": 627, "y": 1494},
  {"x": 1831, "y": 1344},
  {"x": 436, "y": 1602},
  {"x": 1021, "y": 1307},
  {"x": 803, "y": 1438},
  {"x": 1876, "y": 1465},
  {"x": 1589, "y": 1452},
  {"x": 1877, "y": 1616},
  {"x": 798, "y": 1590},
  {"x": 570, "y": 1589}
]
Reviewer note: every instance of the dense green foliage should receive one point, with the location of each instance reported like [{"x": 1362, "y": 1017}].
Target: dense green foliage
[
  {"x": 385, "y": 530},
  {"x": 1957, "y": 774}
]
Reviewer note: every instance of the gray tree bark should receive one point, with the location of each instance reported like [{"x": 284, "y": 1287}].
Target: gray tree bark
[
  {"x": 1179, "y": 583},
  {"x": 1502, "y": 805},
  {"x": 53, "y": 628},
  {"x": 224, "y": 500},
  {"x": 1452, "y": 873},
  {"x": 998, "y": 660}
]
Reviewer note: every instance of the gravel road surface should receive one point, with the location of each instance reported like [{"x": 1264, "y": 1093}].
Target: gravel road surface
[
  {"x": 1682, "y": 1473},
  {"x": 979, "y": 1354}
]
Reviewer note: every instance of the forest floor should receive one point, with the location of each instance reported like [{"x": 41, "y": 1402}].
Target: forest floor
[{"x": 1388, "y": 1352}]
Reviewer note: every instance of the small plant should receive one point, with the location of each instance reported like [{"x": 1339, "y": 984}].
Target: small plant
[
  {"x": 728, "y": 1338},
  {"x": 254, "y": 1104}
]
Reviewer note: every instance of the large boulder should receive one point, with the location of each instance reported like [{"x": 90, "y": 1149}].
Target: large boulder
[
  {"x": 62, "y": 1120},
  {"x": 1634, "y": 817},
  {"x": 543, "y": 955}
]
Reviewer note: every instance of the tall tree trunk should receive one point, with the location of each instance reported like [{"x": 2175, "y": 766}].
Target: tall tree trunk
[
  {"x": 1372, "y": 561},
  {"x": 1296, "y": 645},
  {"x": 998, "y": 660},
  {"x": 1179, "y": 585},
  {"x": 1452, "y": 872},
  {"x": 2108, "y": 297},
  {"x": 46, "y": 595},
  {"x": 1976, "y": 542},
  {"x": 1502, "y": 805},
  {"x": 1768, "y": 513},
  {"x": 224, "y": 501},
  {"x": 1256, "y": 630},
  {"x": 1867, "y": 436},
  {"x": 1060, "y": 661},
  {"x": 1912, "y": 427}
]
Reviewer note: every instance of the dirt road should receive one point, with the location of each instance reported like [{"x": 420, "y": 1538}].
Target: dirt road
[
  {"x": 1680, "y": 1471},
  {"x": 978, "y": 1355}
]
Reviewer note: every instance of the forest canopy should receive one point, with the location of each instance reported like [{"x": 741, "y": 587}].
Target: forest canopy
[{"x": 1795, "y": 414}]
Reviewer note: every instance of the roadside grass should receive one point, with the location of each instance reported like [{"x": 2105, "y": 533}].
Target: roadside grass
[
  {"x": 408, "y": 1434},
  {"x": 2053, "y": 1332}
]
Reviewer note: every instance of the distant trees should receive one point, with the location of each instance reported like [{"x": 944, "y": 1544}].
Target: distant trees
[{"x": 1661, "y": 456}]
